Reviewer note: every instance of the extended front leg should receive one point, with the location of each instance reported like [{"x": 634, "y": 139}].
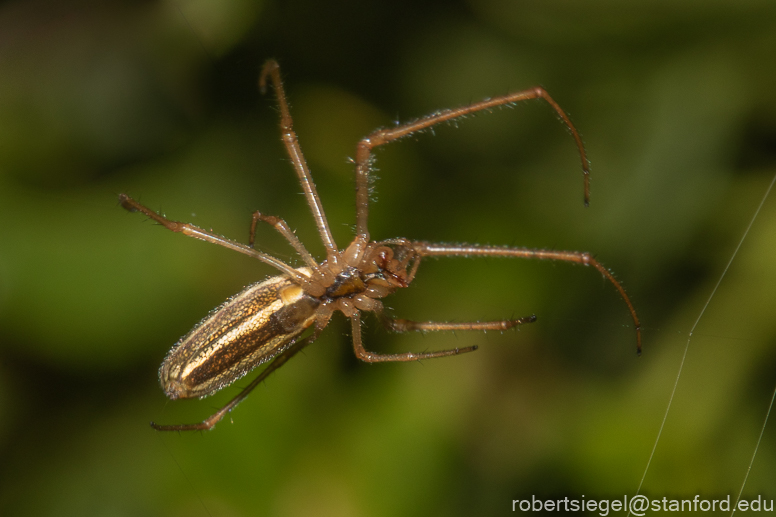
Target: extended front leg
[{"x": 365, "y": 149}]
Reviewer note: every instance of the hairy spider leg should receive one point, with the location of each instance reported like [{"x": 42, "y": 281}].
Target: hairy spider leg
[
  {"x": 426, "y": 249},
  {"x": 372, "y": 357},
  {"x": 282, "y": 227},
  {"x": 191, "y": 230},
  {"x": 365, "y": 148},
  {"x": 271, "y": 69}
]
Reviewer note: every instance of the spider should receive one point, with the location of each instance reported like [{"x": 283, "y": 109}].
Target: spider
[{"x": 266, "y": 319}]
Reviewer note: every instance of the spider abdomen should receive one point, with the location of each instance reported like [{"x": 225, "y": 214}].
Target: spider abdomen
[{"x": 247, "y": 330}]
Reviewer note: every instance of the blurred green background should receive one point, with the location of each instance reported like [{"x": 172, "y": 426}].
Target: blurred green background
[{"x": 676, "y": 102}]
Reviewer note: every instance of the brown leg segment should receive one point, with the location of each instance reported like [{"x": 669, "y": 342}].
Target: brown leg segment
[
  {"x": 194, "y": 231},
  {"x": 364, "y": 156},
  {"x": 372, "y": 357},
  {"x": 426, "y": 249},
  {"x": 400, "y": 325},
  {"x": 282, "y": 227},
  {"x": 271, "y": 69}
]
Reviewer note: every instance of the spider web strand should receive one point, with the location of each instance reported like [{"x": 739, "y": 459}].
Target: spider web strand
[
  {"x": 689, "y": 338},
  {"x": 756, "y": 447}
]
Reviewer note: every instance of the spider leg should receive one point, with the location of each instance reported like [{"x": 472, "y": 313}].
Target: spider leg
[
  {"x": 372, "y": 357},
  {"x": 194, "y": 231},
  {"x": 271, "y": 69},
  {"x": 213, "y": 419},
  {"x": 425, "y": 249},
  {"x": 401, "y": 325},
  {"x": 365, "y": 156},
  {"x": 282, "y": 227}
]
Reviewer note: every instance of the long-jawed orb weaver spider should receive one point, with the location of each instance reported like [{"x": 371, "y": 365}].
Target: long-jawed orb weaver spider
[{"x": 265, "y": 320}]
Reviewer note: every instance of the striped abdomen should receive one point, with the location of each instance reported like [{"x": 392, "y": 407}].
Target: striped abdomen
[{"x": 247, "y": 330}]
